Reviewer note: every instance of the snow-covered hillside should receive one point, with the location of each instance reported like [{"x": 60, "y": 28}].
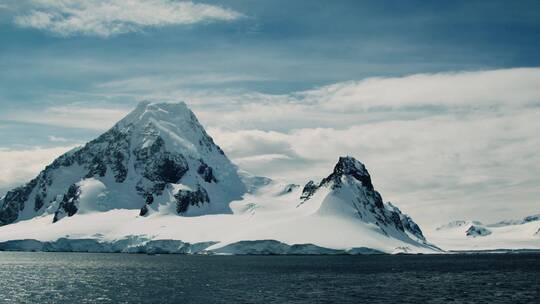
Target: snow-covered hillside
[
  {"x": 158, "y": 179},
  {"x": 474, "y": 235}
]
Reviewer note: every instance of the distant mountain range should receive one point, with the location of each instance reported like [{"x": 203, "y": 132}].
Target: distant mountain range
[
  {"x": 157, "y": 182},
  {"x": 474, "y": 235}
]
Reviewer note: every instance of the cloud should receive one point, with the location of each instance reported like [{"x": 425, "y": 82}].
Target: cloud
[
  {"x": 53, "y": 138},
  {"x": 346, "y": 103},
  {"x": 173, "y": 82},
  {"x": 459, "y": 89},
  {"x": 334, "y": 106},
  {"x": 19, "y": 166},
  {"x": 69, "y": 116},
  {"x": 105, "y": 18}
]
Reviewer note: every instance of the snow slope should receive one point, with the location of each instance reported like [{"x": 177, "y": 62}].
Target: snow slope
[
  {"x": 157, "y": 180},
  {"x": 473, "y": 235}
]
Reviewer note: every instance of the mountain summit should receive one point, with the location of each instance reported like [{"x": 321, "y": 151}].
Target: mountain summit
[
  {"x": 156, "y": 178},
  {"x": 349, "y": 192},
  {"x": 157, "y": 159}
]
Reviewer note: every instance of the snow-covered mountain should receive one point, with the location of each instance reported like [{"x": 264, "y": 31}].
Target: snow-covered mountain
[
  {"x": 474, "y": 235},
  {"x": 157, "y": 177},
  {"x": 348, "y": 192},
  {"x": 137, "y": 164}
]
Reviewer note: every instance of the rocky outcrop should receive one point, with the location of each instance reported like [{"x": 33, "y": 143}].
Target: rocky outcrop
[
  {"x": 186, "y": 199},
  {"x": 14, "y": 202},
  {"x": 348, "y": 166},
  {"x": 68, "y": 205},
  {"x": 206, "y": 172},
  {"x": 308, "y": 190},
  {"x": 476, "y": 231}
]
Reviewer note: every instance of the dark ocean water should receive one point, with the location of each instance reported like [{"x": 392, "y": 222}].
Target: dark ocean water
[{"x": 122, "y": 278}]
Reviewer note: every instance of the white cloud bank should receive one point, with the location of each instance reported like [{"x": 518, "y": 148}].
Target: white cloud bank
[
  {"x": 518, "y": 86},
  {"x": 104, "y": 18}
]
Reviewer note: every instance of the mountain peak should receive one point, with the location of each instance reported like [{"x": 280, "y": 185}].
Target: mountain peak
[
  {"x": 167, "y": 111},
  {"x": 157, "y": 158},
  {"x": 350, "y": 167},
  {"x": 348, "y": 192},
  {"x": 149, "y": 105}
]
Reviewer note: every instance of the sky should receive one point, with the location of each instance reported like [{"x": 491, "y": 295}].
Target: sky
[{"x": 440, "y": 100}]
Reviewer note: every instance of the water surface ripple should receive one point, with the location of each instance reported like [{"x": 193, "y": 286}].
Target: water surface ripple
[{"x": 27, "y": 277}]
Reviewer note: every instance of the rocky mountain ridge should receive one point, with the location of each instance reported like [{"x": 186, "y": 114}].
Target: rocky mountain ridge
[{"x": 157, "y": 175}]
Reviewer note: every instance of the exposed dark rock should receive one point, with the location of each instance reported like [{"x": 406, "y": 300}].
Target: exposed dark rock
[
  {"x": 109, "y": 149},
  {"x": 8, "y": 214},
  {"x": 396, "y": 220},
  {"x": 476, "y": 231},
  {"x": 38, "y": 202},
  {"x": 144, "y": 210},
  {"x": 186, "y": 198},
  {"x": 170, "y": 170},
  {"x": 531, "y": 218},
  {"x": 149, "y": 201},
  {"x": 349, "y": 166},
  {"x": 119, "y": 167},
  {"x": 159, "y": 165},
  {"x": 13, "y": 202},
  {"x": 97, "y": 168},
  {"x": 412, "y": 227},
  {"x": 206, "y": 173},
  {"x": 308, "y": 190},
  {"x": 68, "y": 205}
]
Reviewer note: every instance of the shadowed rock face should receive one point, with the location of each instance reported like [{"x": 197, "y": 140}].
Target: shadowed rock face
[
  {"x": 68, "y": 206},
  {"x": 207, "y": 173},
  {"x": 531, "y": 218},
  {"x": 186, "y": 198},
  {"x": 13, "y": 202},
  {"x": 349, "y": 166},
  {"x": 159, "y": 165},
  {"x": 476, "y": 231},
  {"x": 309, "y": 190}
]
